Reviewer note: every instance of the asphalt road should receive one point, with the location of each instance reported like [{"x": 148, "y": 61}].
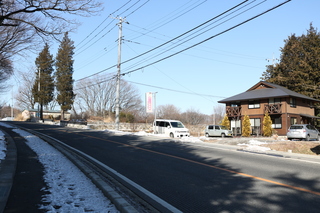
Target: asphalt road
[{"x": 200, "y": 177}]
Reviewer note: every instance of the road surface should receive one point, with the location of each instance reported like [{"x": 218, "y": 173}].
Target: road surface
[{"x": 200, "y": 177}]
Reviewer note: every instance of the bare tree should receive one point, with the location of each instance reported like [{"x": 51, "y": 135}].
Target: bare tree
[
  {"x": 219, "y": 112},
  {"x": 192, "y": 117},
  {"x": 24, "y": 97},
  {"x": 22, "y": 23},
  {"x": 5, "y": 72},
  {"x": 32, "y": 13},
  {"x": 97, "y": 97},
  {"x": 168, "y": 111}
]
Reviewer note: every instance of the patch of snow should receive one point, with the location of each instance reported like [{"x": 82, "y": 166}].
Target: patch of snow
[
  {"x": 190, "y": 139},
  {"x": 254, "y": 146},
  {"x": 69, "y": 189}
]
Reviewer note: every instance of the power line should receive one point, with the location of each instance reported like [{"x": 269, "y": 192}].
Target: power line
[
  {"x": 173, "y": 90},
  {"x": 172, "y": 19},
  {"x": 203, "y": 41},
  {"x": 169, "y": 40},
  {"x": 137, "y": 8},
  {"x": 182, "y": 42},
  {"x": 185, "y": 33},
  {"x": 114, "y": 26},
  {"x": 105, "y": 27}
]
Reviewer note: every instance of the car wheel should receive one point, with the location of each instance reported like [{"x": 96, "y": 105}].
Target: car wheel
[
  {"x": 223, "y": 135},
  {"x": 207, "y": 134},
  {"x": 171, "y": 135},
  {"x": 308, "y": 138}
]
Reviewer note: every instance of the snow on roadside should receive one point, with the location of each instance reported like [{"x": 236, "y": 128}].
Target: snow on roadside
[
  {"x": 254, "y": 146},
  {"x": 143, "y": 133},
  {"x": 69, "y": 189}
]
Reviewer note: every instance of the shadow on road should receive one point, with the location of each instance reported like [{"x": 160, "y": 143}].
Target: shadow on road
[{"x": 190, "y": 179}]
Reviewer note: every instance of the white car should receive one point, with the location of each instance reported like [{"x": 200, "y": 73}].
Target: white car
[
  {"x": 172, "y": 128},
  {"x": 217, "y": 130},
  {"x": 303, "y": 132}
]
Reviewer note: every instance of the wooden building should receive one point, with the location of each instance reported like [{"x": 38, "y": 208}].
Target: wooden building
[{"x": 284, "y": 106}]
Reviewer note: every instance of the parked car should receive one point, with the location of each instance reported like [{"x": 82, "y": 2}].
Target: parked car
[
  {"x": 217, "y": 130},
  {"x": 303, "y": 132},
  {"x": 172, "y": 128}
]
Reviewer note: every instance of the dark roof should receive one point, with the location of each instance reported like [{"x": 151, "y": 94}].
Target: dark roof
[{"x": 270, "y": 90}]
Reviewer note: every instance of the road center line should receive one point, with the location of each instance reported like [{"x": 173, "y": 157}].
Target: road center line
[{"x": 211, "y": 166}]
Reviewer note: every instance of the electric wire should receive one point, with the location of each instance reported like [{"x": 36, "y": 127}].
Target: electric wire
[
  {"x": 102, "y": 23},
  {"x": 115, "y": 25},
  {"x": 137, "y": 8},
  {"x": 172, "y": 19},
  {"x": 209, "y": 38},
  {"x": 168, "y": 41},
  {"x": 103, "y": 29},
  {"x": 182, "y": 42}
]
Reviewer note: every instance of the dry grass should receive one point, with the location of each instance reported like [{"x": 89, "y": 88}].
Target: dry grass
[
  {"x": 302, "y": 147},
  {"x": 19, "y": 117}
]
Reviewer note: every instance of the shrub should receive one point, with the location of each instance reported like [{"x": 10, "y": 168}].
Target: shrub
[
  {"x": 246, "y": 126},
  {"x": 225, "y": 122},
  {"x": 267, "y": 129}
]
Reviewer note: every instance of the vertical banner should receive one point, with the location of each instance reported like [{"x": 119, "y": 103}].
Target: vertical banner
[{"x": 149, "y": 102}]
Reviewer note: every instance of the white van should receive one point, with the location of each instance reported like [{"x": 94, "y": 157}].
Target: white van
[{"x": 172, "y": 128}]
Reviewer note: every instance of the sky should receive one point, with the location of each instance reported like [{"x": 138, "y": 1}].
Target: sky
[{"x": 223, "y": 59}]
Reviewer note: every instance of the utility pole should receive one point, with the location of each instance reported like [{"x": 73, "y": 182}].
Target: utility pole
[
  {"x": 39, "y": 93},
  {"x": 121, "y": 20},
  {"x": 273, "y": 60},
  {"x": 12, "y": 103}
]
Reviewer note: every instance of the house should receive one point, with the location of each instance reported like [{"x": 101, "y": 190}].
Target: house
[
  {"x": 284, "y": 106},
  {"x": 47, "y": 114}
]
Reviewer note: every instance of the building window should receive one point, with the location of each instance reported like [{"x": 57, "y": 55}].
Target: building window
[
  {"x": 254, "y": 104},
  {"x": 293, "y": 102},
  {"x": 293, "y": 121},
  {"x": 255, "y": 126},
  {"x": 276, "y": 123},
  {"x": 274, "y": 100},
  {"x": 235, "y": 104}
]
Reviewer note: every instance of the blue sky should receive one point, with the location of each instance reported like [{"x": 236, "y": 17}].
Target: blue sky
[{"x": 224, "y": 66}]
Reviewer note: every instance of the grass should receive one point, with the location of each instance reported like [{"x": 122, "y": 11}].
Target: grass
[{"x": 302, "y": 147}]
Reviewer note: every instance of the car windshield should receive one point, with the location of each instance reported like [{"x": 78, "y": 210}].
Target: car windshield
[
  {"x": 223, "y": 127},
  {"x": 296, "y": 127},
  {"x": 177, "y": 125}
]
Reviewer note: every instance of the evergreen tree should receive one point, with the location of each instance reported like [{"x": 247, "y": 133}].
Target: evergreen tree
[
  {"x": 267, "y": 129},
  {"x": 299, "y": 66},
  {"x": 64, "y": 71},
  {"x": 43, "y": 87},
  {"x": 225, "y": 122},
  {"x": 246, "y": 126}
]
